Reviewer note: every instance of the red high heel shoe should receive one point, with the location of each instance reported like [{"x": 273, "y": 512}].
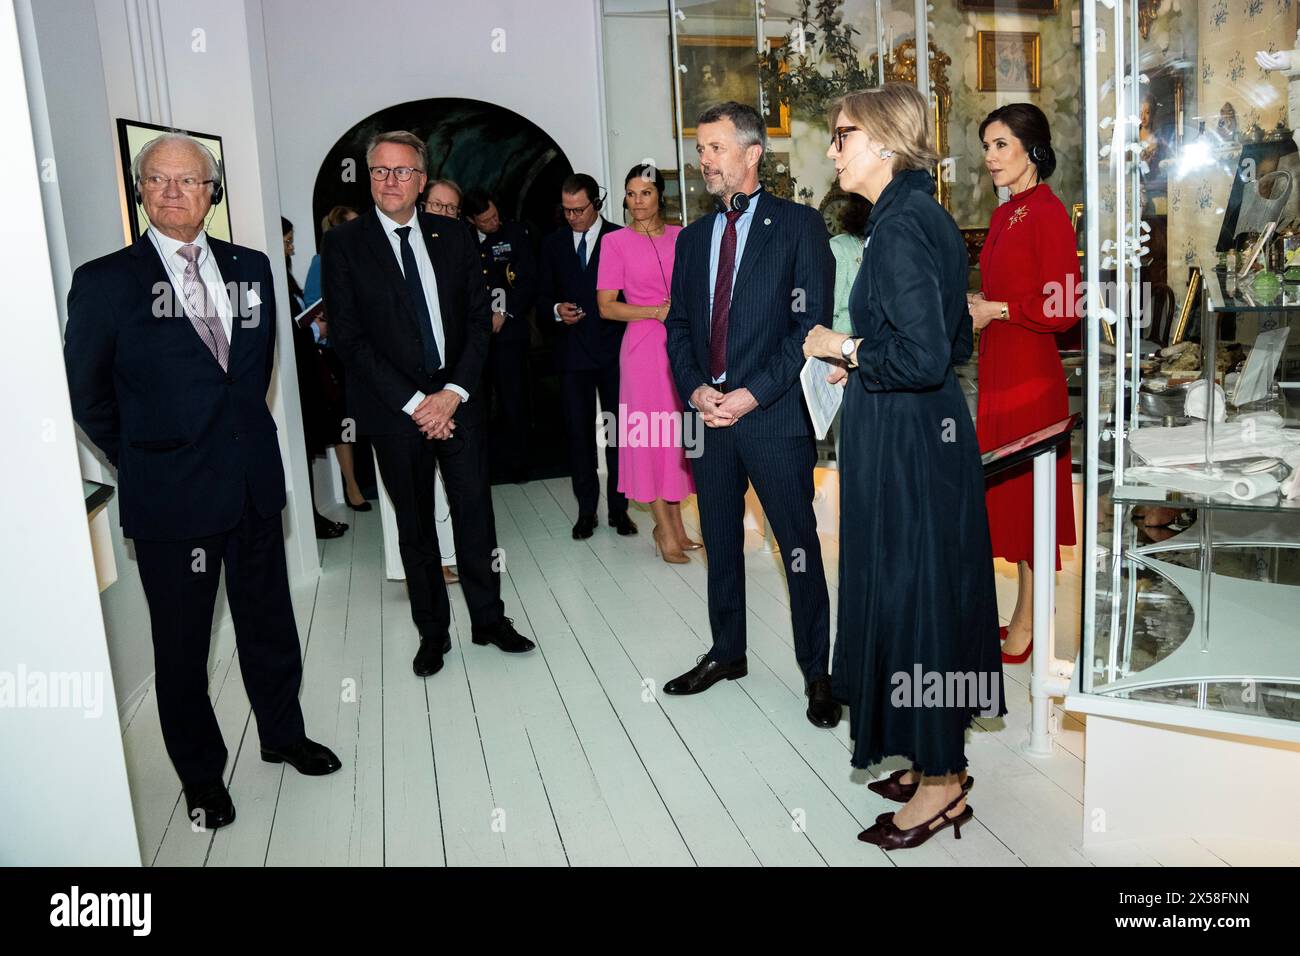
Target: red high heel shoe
[
  {"x": 1002, "y": 634},
  {"x": 1021, "y": 657}
]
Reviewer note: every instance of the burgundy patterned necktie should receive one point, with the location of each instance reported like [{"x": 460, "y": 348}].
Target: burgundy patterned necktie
[
  {"x": 722, "y": 298},
  {"x": 202, "y": 311}
]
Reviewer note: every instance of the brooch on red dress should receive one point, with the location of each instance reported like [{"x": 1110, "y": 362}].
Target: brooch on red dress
[{"x": 1020, "y": 213}]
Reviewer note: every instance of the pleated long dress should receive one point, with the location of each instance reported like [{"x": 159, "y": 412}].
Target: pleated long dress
[{"x": 917, "y": 653}]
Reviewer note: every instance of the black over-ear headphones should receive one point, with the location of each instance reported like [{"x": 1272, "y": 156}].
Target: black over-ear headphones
[
  {"x": 218, "y": 186},
  {"x": 1039, "y": 154},
  {"x": 599, "y": 201},
  {"x": 739, "y": 203}
]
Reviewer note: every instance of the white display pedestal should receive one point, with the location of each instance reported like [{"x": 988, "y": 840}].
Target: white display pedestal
[
  {"x": 1145, "y": 781},
  {"x": 388, "y": 523}
]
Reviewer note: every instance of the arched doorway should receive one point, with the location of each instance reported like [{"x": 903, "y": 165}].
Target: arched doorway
[{"x": 478, "y": 145}]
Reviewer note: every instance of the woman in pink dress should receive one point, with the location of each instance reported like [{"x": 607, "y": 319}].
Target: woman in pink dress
[{"x": 638, "y": 261}]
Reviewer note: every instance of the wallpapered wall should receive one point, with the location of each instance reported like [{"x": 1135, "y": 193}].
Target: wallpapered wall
[
  {"x": 1215, "y": 43},
  {"x": 973, "y": 199},
  {"x": 954, "y": 34}
]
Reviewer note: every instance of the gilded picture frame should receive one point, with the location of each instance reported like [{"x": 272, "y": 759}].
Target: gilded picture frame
[
  {"x": 1009, "y": 62},
  {"x": 721, "y": 68}
]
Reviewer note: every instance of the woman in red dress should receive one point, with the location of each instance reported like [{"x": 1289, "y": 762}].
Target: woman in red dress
[{"x": 1029, "y": 276}]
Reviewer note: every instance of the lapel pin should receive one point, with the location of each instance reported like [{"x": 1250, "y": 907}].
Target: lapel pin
[
  {"x": 433, "y": 235},
  {"x": 767, "y": 222}
]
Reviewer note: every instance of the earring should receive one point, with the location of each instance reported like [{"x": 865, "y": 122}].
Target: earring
[{"x": 886, "y": 153}]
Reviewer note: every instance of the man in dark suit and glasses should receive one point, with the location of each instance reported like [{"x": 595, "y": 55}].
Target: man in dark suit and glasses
[
  {"x": 410, "y": 318},
  {"x": 749, "y": 282},
  {"x": 586, "y": 347},
  {"x": 169, "y": 346}
]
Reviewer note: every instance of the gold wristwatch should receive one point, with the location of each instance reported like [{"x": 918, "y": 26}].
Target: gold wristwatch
[{"x": 1005, "y": 314}]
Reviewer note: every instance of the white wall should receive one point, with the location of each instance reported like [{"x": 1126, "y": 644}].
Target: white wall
[
  {"x": 92, "y": 73},
  {"x": 334, "y": 62},
  {"x": 65, "y": 800}
]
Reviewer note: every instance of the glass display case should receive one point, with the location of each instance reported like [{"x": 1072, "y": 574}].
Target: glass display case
[{"x": 1192, "y": 475}]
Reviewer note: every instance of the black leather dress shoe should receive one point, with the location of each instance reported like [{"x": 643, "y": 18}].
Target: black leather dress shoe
[
  {"x": 428, "y": 659},
  {"x": 704, "y": 675},
  {"x": 504, "y": 636},
  {"x": 306, "y": 756},
  {"x": 623, "y": 524},
  {"x": 210, "y": 807},
  {"x": 822, "y": 711},
  {"x": 585, "y": 527}
]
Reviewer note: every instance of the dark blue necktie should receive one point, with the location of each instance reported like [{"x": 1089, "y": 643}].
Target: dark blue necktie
[
  {"x": 432, "y": 360},
  {"x": 582, "y": 250}
]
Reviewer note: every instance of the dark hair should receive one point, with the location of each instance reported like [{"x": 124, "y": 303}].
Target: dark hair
[
  {"x": 643, "y": 171},
  {"x": 295, "y": 290},
  {"x": 750, "y": 128},
  {"x": 1028, "y": 124},
  {"x": 581, "y": 182},
  {"x": 854, "y": 214},
  {"x": 476, "y": 203}
]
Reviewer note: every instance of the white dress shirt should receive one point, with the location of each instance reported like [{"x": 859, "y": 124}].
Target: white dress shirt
[
  {"x": 591, "y": 235},
  {"x": 430, "y": 284},
  {"x": 169, "y": 251}
]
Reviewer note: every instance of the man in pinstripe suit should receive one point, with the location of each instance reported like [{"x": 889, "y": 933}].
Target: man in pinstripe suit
[{"x": 749, "y": 282}]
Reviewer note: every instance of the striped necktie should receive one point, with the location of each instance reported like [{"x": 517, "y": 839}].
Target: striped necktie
[{"x": 202, "y": 311}]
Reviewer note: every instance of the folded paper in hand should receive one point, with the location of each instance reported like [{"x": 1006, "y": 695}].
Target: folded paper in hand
[{"x": 822, "y": 398}]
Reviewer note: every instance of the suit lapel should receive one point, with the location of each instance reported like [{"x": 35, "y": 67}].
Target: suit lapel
[
  {"x": 432, "y": 236},
  {"x": 382, "y": 249},
  {"x": 764, "y": 222},
  {"x": 606, "y": 227},
  {"x": 152, "y": 271},
  {"x": 237, "y": 291}
]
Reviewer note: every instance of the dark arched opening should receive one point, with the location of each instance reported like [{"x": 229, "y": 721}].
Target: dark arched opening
[{"x": 478, "y": 145}]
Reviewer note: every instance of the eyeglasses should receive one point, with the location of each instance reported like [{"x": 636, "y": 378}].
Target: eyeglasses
[
  {"x": 575, "y": 213},
  {"x": 403, "y": 173},
  {"x": 189, "y": 184},
  {"x": 442, "y": 208},
  {"x": 837, "y": 137}
]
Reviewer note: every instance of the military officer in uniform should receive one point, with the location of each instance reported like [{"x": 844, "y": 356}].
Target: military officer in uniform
[{"x": 510, "y": 271}]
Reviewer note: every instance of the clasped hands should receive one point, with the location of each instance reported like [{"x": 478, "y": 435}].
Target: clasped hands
[
  {"x": 719, "y": 410},
  {"x": 433, "y": 416}
]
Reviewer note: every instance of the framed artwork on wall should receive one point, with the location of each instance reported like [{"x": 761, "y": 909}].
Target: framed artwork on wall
[
  {"x": 132, "y": 135},
  {"x": 1009, "y": 62},
  {"x": 722, "y": 68}
]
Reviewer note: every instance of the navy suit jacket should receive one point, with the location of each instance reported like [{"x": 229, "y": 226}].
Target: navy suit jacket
[
  {"x": 591, "y": 342},
  {"x": 784, "y": 286},
  {"x": 189, "y": 441},
  {"x": 373, "y": 320},
  {"x": 499, "y": 265}
]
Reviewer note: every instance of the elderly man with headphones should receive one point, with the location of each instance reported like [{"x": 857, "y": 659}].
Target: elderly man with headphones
[
  {"x": 170, "y": 344},
  {"x": 586, "y": 347}
]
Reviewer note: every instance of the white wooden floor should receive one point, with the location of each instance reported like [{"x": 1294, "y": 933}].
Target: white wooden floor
[{"x": 571, "y": 755}]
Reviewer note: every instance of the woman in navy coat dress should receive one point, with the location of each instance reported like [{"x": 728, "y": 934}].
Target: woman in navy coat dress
[{"x": 917, "y": 654}]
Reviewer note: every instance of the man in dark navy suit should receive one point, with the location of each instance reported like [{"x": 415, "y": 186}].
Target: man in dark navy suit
[
  {"x": 749, "y": 282},
  {"x": 169, "y": 347},
  {"x": 586, "y": 347},
  {"x": 509, "y": 267},
  {"x": 410, "y": 319}
]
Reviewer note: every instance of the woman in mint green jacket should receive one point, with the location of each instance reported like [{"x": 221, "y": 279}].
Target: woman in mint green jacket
[{"x": 847, "y": 247}]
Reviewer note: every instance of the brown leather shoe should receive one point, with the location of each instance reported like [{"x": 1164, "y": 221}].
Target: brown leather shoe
[{"x": 892, "y": 787}]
